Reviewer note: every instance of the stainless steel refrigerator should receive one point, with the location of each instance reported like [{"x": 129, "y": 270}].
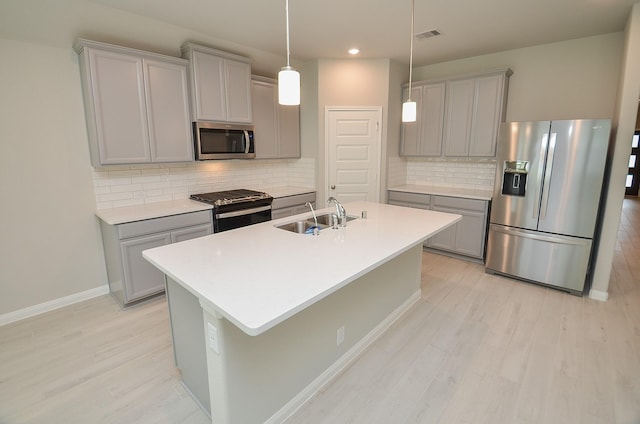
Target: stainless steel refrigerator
[{"x": 546, "y": 198}]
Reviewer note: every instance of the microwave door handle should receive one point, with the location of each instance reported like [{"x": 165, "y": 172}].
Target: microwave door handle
[{"x": 247, "y": 143}]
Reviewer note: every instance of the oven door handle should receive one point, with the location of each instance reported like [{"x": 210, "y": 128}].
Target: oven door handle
[{"x": 242, "y": 212}]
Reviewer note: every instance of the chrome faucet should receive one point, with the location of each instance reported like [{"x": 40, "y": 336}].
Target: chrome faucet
[
  {"x": 316, "y": 229},
  {"x": 341, "y": 214}
]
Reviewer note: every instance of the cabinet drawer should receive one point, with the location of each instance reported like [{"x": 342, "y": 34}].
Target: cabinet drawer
[
  {"x": 166, "y": 223},
  {"x": 404, "y": 197},
  {"x": 288, "y": 201},
  {"x": 459, "y": 203}
]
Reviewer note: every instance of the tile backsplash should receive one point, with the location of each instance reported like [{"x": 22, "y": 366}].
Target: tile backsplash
[
  {"x": 127, "y": 185},
  {"x": 478, "y": 174}
]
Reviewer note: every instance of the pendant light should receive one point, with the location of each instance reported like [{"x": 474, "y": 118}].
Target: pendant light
[
  {"x": 288, "y": 78},
  {"x": 409, "y": 107}
]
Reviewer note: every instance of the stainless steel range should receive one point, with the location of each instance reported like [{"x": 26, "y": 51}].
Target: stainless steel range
[{"x": 237, "y": 208}]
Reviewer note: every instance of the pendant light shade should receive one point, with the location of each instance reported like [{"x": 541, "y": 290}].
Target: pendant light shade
[
  {"x": 409, "y": 111},
  {"x": 409, "y": 107},
  {"x": 288, "y": 86},
  {"x": 288, "y": 78}
]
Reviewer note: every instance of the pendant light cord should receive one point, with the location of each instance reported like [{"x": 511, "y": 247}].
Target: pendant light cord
[
  {"x": 286, "y": 9},
  {"x": 410, "y": 50}
]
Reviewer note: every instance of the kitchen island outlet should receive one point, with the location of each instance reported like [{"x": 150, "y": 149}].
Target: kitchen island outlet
[{"x": 262, "y": 318}]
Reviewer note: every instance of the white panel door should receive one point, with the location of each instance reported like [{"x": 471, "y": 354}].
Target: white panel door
[{"x": 353, "y": 159}]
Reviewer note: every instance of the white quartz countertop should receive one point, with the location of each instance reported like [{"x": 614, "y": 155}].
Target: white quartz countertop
[
  {"x": 286, "y": 191},
  {"x": 124, "y": 214},
  {"x": 467, "y": 193},
  {"x": 121, "y": 215},
  {"x": 260, "y": 275}
]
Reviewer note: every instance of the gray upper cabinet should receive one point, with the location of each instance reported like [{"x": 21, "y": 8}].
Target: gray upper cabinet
[
  {"x": 424, "y": 137},
  {"x": 276, "y": 127},
  {"x": 458, "y": 122},
  {"x": 167, "y": 103},
  {"x": 458, "y": 117},
  {"x": 475, "y": 108},
  {"x": 220, "y": 85},
  {"x": 136, "y": 105},
  {"x": 467, "y": 236}
]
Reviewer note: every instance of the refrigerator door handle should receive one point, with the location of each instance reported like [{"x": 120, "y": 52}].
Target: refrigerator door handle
[
  {"x": 547, "y": 177},
  {"x": 543, "y": 154},
  {"x": 538, "y": 236}
]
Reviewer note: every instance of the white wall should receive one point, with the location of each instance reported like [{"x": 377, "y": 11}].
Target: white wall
[
  {"x": 351, "y": 82},
  {"x": 396, "y": 170},
  {"x": 50, "y": 246},
  {"x": 566, "y": 80},
  {"x": 624, "y": 126}
]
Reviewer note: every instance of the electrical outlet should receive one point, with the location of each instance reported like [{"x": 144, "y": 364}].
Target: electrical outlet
[
  {"x": 213, "y": 337},
  {"x": 340, "y": 336}
]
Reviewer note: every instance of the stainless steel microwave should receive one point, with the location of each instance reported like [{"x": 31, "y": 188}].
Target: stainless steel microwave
[{"x": 217, "y": 140}]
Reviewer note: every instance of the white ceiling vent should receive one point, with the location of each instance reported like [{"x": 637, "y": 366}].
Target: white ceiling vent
[{"x": 428, "y": 34}]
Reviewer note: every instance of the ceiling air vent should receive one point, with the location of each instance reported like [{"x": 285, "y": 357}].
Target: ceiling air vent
[{"x": 428, "y": 34}]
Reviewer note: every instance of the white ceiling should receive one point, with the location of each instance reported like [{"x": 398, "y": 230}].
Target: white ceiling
[{"x": 381, "y": 28}]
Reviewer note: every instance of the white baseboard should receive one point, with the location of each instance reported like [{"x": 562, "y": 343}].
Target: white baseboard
[
  {"x": 598, "y": 295},
  {"x": 343, "y": 362},
  {"x": 52, "y": 305}
]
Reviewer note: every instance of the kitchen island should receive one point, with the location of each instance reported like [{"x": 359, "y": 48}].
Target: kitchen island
[{"x": 261, "y": 317}]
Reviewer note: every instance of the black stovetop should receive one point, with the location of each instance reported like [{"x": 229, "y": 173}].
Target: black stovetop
[{"x": 229, "y": 197}]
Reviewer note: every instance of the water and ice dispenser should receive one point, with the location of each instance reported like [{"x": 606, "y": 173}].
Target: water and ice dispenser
[{"x": 514, "y": 177}]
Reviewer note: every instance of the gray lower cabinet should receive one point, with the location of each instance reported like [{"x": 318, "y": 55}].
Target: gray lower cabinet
[
  {"x": 292, "y": 205},
  {"x": 131, "y": 277},
  {"x": 411, "y": 200},
  {"x": 467, "y": 237},
  {"x": 140, "y": 279}
]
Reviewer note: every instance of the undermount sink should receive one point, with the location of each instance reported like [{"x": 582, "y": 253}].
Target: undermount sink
[{"x": 302, "y": 226}]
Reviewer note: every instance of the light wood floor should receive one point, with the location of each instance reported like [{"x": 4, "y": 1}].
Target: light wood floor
[{"x": 477, "y": 349}]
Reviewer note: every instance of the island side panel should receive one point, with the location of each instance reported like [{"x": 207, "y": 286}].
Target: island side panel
[
  {"x": 254, "y": 379},
  {"x": 188, "y": 336}
]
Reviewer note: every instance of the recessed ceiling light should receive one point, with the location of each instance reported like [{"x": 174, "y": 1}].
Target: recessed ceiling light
[{"x": 354, "y": 51}]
